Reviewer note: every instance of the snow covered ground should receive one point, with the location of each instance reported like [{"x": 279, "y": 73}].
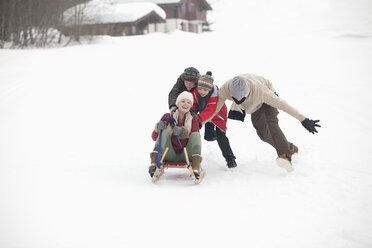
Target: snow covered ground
[{"x": 75, "y": 126}]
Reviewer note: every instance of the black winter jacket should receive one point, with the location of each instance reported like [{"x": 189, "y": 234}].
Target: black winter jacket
[{"x": 177, "y": 89}]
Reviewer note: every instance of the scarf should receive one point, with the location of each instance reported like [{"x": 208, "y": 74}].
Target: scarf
[
  {"x": 187, "y": 124},
  {"x": 203, "y": 101}
]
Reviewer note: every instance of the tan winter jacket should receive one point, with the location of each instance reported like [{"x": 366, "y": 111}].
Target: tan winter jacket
[{"x": 260, "y": 91}]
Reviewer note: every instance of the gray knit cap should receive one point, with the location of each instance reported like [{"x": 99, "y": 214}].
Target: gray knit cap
[{"x": 239, "y": 87}]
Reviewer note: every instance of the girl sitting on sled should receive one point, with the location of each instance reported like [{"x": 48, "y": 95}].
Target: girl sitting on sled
[{"x": 179, "y": 129}]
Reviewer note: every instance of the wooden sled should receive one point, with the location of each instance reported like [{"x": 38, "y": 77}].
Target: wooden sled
[{"x": 186, "y": 165}]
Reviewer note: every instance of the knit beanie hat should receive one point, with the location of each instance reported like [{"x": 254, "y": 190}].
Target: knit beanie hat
[
  {"x": 239, "y": 87},
  {"x": 185, "y": 95},
  {"x": 206, "y": 81},
  {"x": 190, "y": 74}
]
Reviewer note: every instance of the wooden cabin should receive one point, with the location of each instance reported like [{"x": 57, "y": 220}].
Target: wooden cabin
[
  {"x": 114, "y": 19},
  {"x": 186, "y": 15},
  {"x": 133, "y": 17}
]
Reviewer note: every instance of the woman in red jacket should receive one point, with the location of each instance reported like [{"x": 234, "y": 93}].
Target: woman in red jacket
[
  {"x": 176, "y": 136},
  {"x": 205, "y": 103}
]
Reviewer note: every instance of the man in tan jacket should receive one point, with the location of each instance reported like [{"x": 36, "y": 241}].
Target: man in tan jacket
[{"x": 255, "y": 95}]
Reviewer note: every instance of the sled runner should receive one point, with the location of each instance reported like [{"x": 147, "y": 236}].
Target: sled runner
[{"x": 186, "y": 165}]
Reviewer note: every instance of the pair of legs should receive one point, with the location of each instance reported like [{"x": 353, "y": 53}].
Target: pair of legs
[
  {"x": 193, "y": 148},
  {"x": 212, "y": 132},
  {"x": 265, "y": 121}
]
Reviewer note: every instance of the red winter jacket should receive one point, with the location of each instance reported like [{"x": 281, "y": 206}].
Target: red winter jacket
[
  {"x": 175, "y": 143},
  {"x": 220, "y": 118}
]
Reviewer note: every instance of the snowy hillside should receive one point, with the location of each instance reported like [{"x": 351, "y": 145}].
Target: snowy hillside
[{"x": 75, "y": 126}]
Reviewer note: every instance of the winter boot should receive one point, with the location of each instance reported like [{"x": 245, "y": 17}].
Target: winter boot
[
  {"x": 195, "y": 164},
  {"x": 285, "y": 162},
  {"x": 293, "y": 149},
  {"x": 154, "y": 161},
  {"x": 230, "y": 160}
]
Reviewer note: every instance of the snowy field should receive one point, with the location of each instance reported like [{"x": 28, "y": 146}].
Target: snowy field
[{"x": 76, "y": 123}]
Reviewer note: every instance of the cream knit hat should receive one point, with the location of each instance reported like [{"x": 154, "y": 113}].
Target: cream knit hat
[{"x": 185, "y": 95}]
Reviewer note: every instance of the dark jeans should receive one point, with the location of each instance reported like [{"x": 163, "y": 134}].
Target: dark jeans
[
  {"x": 223, "y": 142},
  {"x": 266, "y": 123}
]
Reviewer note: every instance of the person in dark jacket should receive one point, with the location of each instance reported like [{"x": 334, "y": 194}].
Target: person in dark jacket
[
  {"x": 205, "y": 103},
  {"x": 187, "y": 81}
]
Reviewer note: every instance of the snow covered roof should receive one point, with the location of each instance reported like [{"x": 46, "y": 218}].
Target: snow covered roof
[
  {"x": 153, "y": 1},
  {"x": 114, "y": 12},
  {"x": 157, "y": 1},
  {"x": 163, "y": 2},
  {"x": 166, "y": 1}
]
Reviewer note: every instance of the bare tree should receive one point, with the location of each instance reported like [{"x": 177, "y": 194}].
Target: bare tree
[
  {"x": 76, "y": 17},
  {"x": 76, "y": 20},
  {"x": 32, "y": 22}
]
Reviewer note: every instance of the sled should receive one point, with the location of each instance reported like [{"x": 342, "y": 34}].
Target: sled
[
  {"x": 284, "y": 163},
  {"x": 185, "y": 165},
  {"x": 161, "y": 165}
]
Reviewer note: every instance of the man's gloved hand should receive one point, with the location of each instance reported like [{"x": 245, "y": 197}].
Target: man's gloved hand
[
  {"x": 172, "y": 109},
  {"x": 177, "y": 130},
  {"x": 236, "y": 115},
  {"x": 162, "y": 125},
  {"x": 310, "y": 125}
]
